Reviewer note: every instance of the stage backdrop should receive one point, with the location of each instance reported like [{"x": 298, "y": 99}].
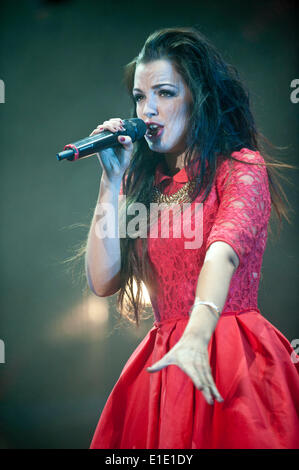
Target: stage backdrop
[{"x": 61, "y": 67}]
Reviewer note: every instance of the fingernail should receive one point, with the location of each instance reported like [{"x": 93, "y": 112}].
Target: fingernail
[{"x": 122, "y": 139}]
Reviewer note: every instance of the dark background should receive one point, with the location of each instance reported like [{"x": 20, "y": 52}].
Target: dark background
[{"x": 62, "y": 64}]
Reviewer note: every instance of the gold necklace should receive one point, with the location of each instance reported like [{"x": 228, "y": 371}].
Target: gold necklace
[{"x": 180, "y": 196}]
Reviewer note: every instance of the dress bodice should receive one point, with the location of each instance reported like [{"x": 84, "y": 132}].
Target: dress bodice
[{"x": 236, "y": 211}]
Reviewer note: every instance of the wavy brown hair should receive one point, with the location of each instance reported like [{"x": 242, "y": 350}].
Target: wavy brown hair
[{"x": 221, "y": 122}]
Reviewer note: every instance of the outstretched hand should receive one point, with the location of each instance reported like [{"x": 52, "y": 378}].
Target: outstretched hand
[{"x": 191, "y": 355}]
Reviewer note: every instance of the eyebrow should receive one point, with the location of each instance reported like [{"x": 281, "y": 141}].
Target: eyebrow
[{"x": 157, "y": 86}]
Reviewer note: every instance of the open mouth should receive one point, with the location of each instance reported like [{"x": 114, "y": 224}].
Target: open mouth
[{"x": 154, "y": 130}]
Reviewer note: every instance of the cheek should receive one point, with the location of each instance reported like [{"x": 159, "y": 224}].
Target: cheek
[{"x": 178, "y": 117}]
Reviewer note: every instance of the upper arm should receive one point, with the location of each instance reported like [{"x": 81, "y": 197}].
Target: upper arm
[
  {"x": 224, "y": 250},
  {"x": 245, "y": 204}
]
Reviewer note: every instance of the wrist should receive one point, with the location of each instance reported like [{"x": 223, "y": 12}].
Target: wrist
[
  {"x": 109, "y": 190},
  {"x": 111, "y": 183},
  {"x": 202, "y": 322},
  {"x": 216, "y": 310}
]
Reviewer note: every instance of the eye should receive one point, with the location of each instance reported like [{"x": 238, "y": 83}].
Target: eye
[
  {"x": 137, "y": 98},
  {"x": 166, "y": 93}
]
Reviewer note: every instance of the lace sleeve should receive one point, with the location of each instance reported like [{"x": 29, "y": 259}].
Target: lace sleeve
[{"x": 245, "y": 203}]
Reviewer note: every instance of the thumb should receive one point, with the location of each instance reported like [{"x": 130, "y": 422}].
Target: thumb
[
  {"x": 155, "y": 367},
  {"x": 126, "y": 141},
  {"x": 164, "y": 362}
]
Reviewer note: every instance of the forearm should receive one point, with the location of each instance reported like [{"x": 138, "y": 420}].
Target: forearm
[
  {"x": 103, "y": 258},
  {"x": 212, "y": 286}
]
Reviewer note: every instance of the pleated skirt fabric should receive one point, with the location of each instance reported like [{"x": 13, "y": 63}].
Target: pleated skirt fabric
[{"x": 254, "y": 368}]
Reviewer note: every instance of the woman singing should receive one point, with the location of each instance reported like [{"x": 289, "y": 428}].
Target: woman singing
[{"x": 212, "y": 372}]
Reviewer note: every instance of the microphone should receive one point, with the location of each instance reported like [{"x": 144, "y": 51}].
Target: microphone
[{"x": 135, "y": 128}]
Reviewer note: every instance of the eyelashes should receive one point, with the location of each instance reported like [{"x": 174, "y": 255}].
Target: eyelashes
[
  {"x": 137, "y": 98},
  {"x": 164, "y": 93}
]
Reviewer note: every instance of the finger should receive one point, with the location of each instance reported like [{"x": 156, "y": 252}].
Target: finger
[
  {"x": 164, "y": 362},
  {"x": 200, "y": 366},
  {"x": 125, "y": 140},
  {"x": 207, "y": 394},
  {"x": 201, "y": 385},
  {"x": 208, "y": 378},
  {"x": 95, "y": 131},
  {"x": 192, "y": 373},
  {"x": 197, "y": 378},
  {"x": 156, "y": 367},
  {"x": 116, "y": 120},
  {"x": 205, "y": 387},
  {"x": 113, "y": 126}
]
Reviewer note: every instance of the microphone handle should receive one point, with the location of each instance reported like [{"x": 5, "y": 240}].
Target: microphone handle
[
  {"x": 135, "y": 128},
  {"x": 90, "y": 145}
]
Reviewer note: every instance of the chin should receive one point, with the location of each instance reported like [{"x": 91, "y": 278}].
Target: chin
[{"x": 153, "y": 147}]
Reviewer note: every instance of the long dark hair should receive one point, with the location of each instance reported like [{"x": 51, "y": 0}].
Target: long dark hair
[{"x": 221, "y": 122}]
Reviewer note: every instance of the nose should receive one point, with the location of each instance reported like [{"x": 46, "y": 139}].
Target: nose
[{"x": 150, "y": 108}]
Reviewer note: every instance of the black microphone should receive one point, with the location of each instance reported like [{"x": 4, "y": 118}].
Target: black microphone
[{"x": 135, "y": 128}]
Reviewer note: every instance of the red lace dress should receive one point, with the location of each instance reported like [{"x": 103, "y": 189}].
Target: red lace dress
[{"x": 251, "y": 360}]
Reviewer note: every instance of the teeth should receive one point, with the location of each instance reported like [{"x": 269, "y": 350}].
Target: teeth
[{"x": 153, "y": 129}]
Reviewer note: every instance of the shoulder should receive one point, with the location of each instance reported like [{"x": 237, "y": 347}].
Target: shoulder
[
  {"x": 249, "y": 156},
  {"x": 245, "y": 166},
  {"x": 244, "y": 155},
  {"x": 239, "y": 162}
]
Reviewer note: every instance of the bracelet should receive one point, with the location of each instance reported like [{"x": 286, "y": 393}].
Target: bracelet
[{"x": 216, "y": 310}]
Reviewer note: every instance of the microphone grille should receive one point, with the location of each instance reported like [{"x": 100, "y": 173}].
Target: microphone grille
[{"x": 135, "y": 127}]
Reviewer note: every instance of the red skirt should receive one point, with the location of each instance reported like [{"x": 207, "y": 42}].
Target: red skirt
[{"x": 254, "y": 368}]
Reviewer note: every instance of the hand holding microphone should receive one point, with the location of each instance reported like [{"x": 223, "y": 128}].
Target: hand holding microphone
[
  {"x": 114, "y": 161},
  {"x": 112, "y": 141}
]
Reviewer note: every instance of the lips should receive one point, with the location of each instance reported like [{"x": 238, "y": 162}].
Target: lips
[{"x": 154, "y": 129}]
